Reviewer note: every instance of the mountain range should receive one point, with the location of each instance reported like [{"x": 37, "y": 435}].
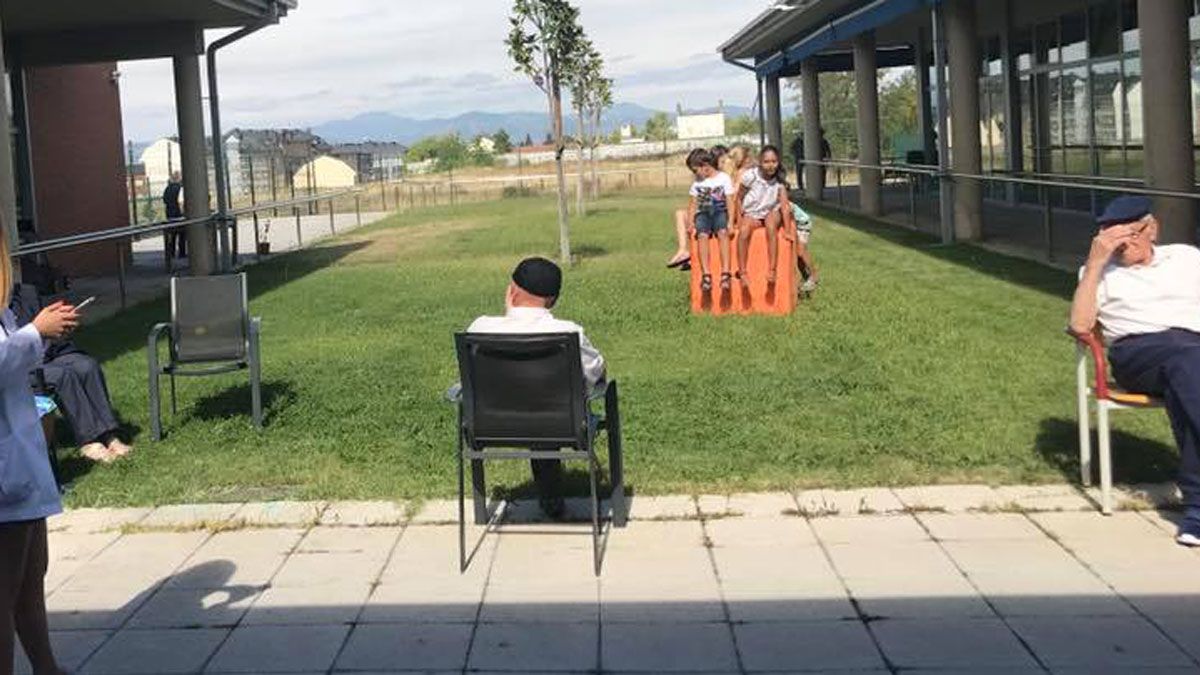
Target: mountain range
[{"x": 383, "y": 126}]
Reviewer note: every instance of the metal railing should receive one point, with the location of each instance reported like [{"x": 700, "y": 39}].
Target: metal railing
[
  {"x": 126, "y": 236},
  {"x": 927, "y": 178}
]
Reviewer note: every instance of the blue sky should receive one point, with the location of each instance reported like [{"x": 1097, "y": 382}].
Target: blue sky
[{"x": 332, "y": 59}]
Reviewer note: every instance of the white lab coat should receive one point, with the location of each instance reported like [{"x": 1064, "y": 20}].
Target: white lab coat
[{"x": 27, "y": 487}]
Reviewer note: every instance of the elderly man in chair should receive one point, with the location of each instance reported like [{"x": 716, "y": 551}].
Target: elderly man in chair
[
  {"x": 532, "y": 293},
  {"x": 1146, "y": 299}
]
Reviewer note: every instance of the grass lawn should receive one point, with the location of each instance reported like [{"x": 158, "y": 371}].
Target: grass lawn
[{"x": 914, "y": 364}]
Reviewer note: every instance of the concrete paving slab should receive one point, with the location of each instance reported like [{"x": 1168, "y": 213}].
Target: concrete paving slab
[
  {"x": 663, "y": 648},
  {"x": 1184, "y": 630},
  {"x": 869, "y": 529},
  {"x": 328, "y": 569},
  {"x": 408, "y": 646},
  {"x": 1140, "y": 497},
  {"x": 1120, "y": 527},
  {"x": 155, "y": 652},
  {"x": 978, "y": 527},
  {"x": 315, "y": 605},
  {"x": 788, "y": 605},
  {"x": 285, "y": 513},
  {"x": 948, "y": 498},
  {"x": 526, "y": 648},
  {"x": 1091, "y": 642},
  {"x": 189, "y": 516},
  {"x": 867, "y": 501},
  {"x": 70, "y": 649},
  {"x": 374, "y": 542},
  {"x": 1043, "y": 498},
  {"x": 676, "y": 507},
  {"x": 93, "y": 609},
  {"x": 760, "y": 532},
  {"x": 364, "y": 514},
  {"x": 264, "y": 649},
  {"x": 90, "y": 521},
  {"x": 835, "y": 645},
  {"x": 951, "y": 643},
  {"x": 437, "y": 512},
  {"x": 191, "y": 608},
  {"x": 424, "y": 601},
  {"x": 762, "y": 505}
]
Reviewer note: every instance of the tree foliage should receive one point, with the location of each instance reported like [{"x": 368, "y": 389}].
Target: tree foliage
[
  {"x": 659, "y": 127},
  {"x": 503, "y": 142},
  {"x": 839, "y": 111}
]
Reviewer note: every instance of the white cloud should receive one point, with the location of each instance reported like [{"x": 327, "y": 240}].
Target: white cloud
[{"x": 332, "y": 59}]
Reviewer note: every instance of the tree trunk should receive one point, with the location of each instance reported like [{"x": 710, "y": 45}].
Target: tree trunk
[
  {"x": 592, "y": 157},
  {"x": 581, "y": 132},
  {"x": 556, "y": 125}
]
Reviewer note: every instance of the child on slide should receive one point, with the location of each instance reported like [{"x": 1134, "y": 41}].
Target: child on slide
[
  {"x": 708, "y": 214},
  {"x": 763, "y": 202},
  {"x": 804, "y": 258},
  {"x": 683, "y": 257}
]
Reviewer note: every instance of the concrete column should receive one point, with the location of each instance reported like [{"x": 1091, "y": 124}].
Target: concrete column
[
  {"x": 189, "y": 108},
  {"x": 866, "y": 86},
  {"x": 8, "y": 186},
  {"x": 1167, "y": 114},
  {"x": 966, "y": 154},
  {"x": 925, "y": 121},
  {"x": 774, "y": 112},
  {"x": 810, "y": 100}
]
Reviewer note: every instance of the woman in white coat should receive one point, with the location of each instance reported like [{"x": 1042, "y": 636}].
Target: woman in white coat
[{"x": 28, "y": 493}]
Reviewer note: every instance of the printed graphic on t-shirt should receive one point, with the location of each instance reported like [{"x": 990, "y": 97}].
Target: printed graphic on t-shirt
[{"x": 712, "y": 193}]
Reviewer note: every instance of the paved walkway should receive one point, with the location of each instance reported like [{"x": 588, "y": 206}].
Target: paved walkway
[{"x": 915, "y": 580}]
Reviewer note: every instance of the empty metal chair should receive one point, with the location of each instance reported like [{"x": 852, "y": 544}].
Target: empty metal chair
[
  {"x": 523, "y": 394},
  {"x": 210, "y": 332}
]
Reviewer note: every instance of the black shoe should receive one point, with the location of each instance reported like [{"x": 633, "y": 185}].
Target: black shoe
[{"x": 554, "y": 507}]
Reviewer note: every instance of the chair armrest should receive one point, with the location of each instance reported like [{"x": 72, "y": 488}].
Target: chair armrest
[
  {"x": 1091, "y": 344},
  {"x": 256, "y": 325},
  {"x": 454, "y": 393},
  {"x": 156, "y": 334}
]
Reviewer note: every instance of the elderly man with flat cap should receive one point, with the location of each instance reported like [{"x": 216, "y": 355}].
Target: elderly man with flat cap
[
  {"x": 535, "y": 286},
  {"x": 1146, "y": 298}
]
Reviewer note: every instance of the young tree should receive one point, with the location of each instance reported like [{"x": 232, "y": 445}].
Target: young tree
[
  {"x": 544, "y": 42},
  {"x": 502, "y": 141},
  {"x": 600, "y": 101},
  {"x": 584, "y": 79},
  {"x": 659, "y": 127},
  {"x": 527, "y": 142}
]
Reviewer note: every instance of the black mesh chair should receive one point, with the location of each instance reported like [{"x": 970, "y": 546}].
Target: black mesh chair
[
  {"x": 211, "y": 332},
  {"x": 524, "y": 397}
]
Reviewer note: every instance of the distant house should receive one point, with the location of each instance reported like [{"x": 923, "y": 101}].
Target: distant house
[
  {"x": 159, "y": 160},
  {"x": 324, "y": 173},
  {"x": 700, "y": 123},
  {"x": 255, "y": 155},
  {"x": 373, "y": 161},
  {"x": 485, "y": 144}
]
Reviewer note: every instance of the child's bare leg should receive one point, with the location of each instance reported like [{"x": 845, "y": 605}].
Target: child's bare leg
[
  {"x": 725, "y": 253},
  {"x": 702, "y": 244},
  {"x": 804, "y": 256},
  {"x": 681, "y": 235},
  {"x": 772, "y": 223},
  {"x": 743, "y": 246}
]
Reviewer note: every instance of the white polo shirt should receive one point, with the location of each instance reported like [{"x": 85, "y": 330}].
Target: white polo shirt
[
  {"x": 527, "y": 320},
  {"x": 1151, "y": 298}
]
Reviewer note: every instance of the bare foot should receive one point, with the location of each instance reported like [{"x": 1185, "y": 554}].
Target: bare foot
[
  {"x": 97, "y": 452},
  {"x": 118, "y": 449},
  {"x": 679, "y": 258}
]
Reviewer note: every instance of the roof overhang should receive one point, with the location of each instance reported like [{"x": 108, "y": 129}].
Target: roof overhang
[
  {"x": 778, "y": 40},
  {"x": 53, "y": 32}
]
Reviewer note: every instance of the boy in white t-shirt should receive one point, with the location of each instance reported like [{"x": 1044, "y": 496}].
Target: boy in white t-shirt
[{"x": 708, "y": 215}]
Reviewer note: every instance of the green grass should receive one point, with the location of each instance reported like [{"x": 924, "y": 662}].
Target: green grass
[{"x": 914, "y": 364}]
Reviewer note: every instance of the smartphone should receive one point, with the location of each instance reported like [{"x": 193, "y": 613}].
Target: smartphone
[{"x": 85, "y": 303}]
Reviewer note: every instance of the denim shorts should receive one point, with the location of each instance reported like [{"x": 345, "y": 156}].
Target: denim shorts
[{"x": 711, "y": 221}]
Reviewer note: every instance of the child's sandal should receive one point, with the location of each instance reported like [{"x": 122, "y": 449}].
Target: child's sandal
[
  {"x": 725, "y": 281},
  {"x": 706, "y": 282}
]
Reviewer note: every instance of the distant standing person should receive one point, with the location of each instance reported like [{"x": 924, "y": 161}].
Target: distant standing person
[
  {"x": 826, "y": 154},
  {"x": 798, "y": 155},
  {"x": 172, "y": 201}
]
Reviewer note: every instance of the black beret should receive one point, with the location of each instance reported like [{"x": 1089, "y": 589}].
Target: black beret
[{"x": 538, "y": 276}]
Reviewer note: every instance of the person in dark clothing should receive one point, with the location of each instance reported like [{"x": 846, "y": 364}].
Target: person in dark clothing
[
  {"x": 77, "y": 382},
  {"x": 798, "y": 154},
  {"x": 826, "y": 153},
  {"x": 176, "y": 239}
]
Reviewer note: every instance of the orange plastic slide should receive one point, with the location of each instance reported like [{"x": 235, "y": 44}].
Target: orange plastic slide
[{"x": 760, "y": 298}]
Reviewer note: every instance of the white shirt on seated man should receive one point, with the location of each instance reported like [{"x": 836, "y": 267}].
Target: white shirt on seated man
[{"x": 532, "y": 293}]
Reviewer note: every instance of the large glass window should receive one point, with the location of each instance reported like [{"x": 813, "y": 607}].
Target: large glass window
[
  {"x": 1074, "y": 37},
  {"x": 1131, "y": 37},
  {"x": 1106, "y": 100},
  {"x": 1046, "y": 39},
  {"x": 1076, "y": 121},
  {"x": 1104, "y": 21},
  {"x": 1131, "y": 118}
]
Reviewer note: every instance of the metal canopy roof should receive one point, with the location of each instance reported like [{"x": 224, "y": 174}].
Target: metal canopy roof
[
  {"x": 51, "y": 16},
  {"x": 778, "y": 40}
]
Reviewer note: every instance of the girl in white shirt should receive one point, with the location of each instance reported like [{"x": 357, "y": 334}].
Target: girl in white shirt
[
  {"x": 761, "y": 201},
  {"x": 28, "y": 492}
]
